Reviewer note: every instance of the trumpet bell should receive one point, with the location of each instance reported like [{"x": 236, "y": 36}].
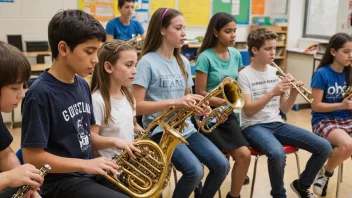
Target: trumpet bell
[{"x": 232, "y": 93}]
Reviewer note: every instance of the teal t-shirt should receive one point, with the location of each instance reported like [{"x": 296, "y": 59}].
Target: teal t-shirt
[{"x": 217, "y": 68}]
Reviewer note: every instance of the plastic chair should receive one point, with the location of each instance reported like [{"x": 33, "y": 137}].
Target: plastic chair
[{"x": 288, "y": 148}]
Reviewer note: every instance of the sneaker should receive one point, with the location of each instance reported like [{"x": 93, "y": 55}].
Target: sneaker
[
  {"x": 246, "y": 181},
  {"x": 302, "y": 193},
  {"x": 198, "y": 190},
  {"x": 320, "y": 186}
]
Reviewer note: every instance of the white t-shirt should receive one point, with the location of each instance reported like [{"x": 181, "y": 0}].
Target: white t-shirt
[
  {"x": 122, "y": 125},
  {"x": 258, "y": 84}
]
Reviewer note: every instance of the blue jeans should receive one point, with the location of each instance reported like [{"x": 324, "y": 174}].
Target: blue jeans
[
  {"x": 269, "y": 137},
  {"x": 189, "y": 160}
]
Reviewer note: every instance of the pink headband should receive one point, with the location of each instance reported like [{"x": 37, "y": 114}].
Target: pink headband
[{"x": 164, "y": 13}]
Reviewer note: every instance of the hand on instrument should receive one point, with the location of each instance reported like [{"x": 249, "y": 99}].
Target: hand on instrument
[
  {"x": 347, "y": 103},
  {"x": 100, "y": 165},
  {"x": 128, "y": 146},
  {"x": 281, "y": 87},
  {"x": 33, "y": 194},
  {"x": 190, "y": 100},
  {"x": 26, "y": 174}
]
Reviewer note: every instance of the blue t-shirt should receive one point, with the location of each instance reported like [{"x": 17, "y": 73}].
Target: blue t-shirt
[
  {"x": 333, "y": 84},
  {"x": 57, "y": 117},
  {"x": 163, "y": 80},
  {"x": 124, "y": 32},
  {"x": 218, "y": 69},
  {"x": 5, "y": 135}
]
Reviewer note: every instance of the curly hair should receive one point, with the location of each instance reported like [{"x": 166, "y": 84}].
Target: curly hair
[{"x": 257, "y": 38}]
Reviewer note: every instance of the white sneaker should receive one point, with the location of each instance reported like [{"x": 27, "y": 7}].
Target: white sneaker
[{"x": 320, "y": 186}]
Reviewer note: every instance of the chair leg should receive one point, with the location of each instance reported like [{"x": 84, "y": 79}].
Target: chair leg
[
  {"x": 175, "y": 174},
  {"x": 339, "y": 175},
  {"x": 298, "y": 166},
  {"x": 341, "y": 172},
  {"x": 219, "y": 191},
  {"x": 254, "y": 174}
]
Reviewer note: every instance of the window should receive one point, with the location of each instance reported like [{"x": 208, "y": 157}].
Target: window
[{"x": 320, "y": 18}]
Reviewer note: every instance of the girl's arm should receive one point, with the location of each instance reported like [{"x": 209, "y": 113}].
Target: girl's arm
[
  {"x": 201, "y": 83},
  {"x": 150, "y": 107},
  {"x": 101, "y": 142},
  {"x": 319, "y": 106}
]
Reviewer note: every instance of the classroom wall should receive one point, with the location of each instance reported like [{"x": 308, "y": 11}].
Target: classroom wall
[{"x": 31, "y": 18}]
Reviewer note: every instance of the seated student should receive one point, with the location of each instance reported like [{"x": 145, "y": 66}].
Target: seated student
[
  {"x": 14, "y": 71},
  {"x": 331, "y": 113},
  {"x": 216, "y": 60},
  {"x": 113, "y": 104},
  {"x": 163, "y": 80},
  {"x": 262, "y": 124},
  {"x": 58, "y": 112},
  {"x": 124, "y": 27}
]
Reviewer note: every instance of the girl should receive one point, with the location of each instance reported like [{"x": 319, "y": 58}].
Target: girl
[
  {"x": 216, "y": 60},
  {"x": 163, "y": 80},
  {"x": 331, "y": 115},
  {"x": 14, "y": 71},
  {"x": 113, "y": 103}
]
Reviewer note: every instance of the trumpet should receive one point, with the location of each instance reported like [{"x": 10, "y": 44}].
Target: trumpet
[
  {"x": 234, "y": 97},
  {"x": 348, "y": 92},
  {"x": 304, "y": 92},
  {"x": 22, "y": 191}
]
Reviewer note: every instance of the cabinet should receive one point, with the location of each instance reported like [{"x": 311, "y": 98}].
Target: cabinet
[{"x": 280, "y": 54}]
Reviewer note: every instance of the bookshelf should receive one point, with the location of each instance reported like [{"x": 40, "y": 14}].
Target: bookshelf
[{"x": 280, "y": 54}]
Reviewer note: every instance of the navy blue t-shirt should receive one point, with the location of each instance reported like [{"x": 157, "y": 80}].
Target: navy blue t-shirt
[
  {"x": 5, "y": 135},
  {"x": 57, "y": 117}
]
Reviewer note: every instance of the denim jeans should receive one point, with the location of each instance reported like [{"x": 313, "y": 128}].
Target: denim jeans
[
  {"x": 189, "y": 160},
  {"x": 269, "y": 137}
]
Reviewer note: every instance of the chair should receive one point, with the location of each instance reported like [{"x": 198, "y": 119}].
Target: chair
[
  {"x": 288, "y": 148},
  {"x": 339, "y": 179}
]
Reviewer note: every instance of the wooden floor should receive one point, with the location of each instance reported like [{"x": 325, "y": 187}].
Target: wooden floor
[{"x": 262, "y": 186}]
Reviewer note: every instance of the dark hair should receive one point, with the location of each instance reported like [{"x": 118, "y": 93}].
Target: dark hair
[
  {"x": 120, "y": 3},
  {"x": 154, "y": 38},
  {"x": 14, "y": 66},
  {"x": 110, "y": 51},
  {"x": 336, "y": 42},
  {"x": 257, "y": 38},
  {"x": 217, "y": 22},
  {"x": 74, "y": 27}
]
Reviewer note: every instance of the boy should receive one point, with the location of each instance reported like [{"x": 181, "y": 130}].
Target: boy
[
  {"x": 124, "y": 27},
  {"x": 14, "y": 71},
  {"x": 261, "y": 121},
  {"x": 58, "y": 112}
]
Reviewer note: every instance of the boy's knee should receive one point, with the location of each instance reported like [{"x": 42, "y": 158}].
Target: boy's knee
[{"x": 277, "y": 156}]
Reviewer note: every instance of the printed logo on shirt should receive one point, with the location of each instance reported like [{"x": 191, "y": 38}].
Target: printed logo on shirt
[
  {"x": 83, "y": 135},
  {"x": 334, "y": 91},
  {"x": 76, "y": 109},
  {"x": 172, "y": 82}
]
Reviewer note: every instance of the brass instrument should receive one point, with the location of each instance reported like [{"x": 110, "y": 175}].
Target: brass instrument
[
  {"x": 304, "y": 92},
  {"x": 25, "y": 189},
  {"x": 137, "y": 42},
  {"x": 234, "y": 97},
  {"x": 348, "y": 92},
  {"x": 148, "y": 174}
]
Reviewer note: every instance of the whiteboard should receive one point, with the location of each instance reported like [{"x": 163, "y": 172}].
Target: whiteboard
[{"x": 321, "y": 17}]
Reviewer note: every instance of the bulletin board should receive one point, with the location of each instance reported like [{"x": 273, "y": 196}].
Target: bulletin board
[
  {"x": 101, "y": 10},
  {"x": 196, "y": 12},
  {"x": 238, "y": 8}
]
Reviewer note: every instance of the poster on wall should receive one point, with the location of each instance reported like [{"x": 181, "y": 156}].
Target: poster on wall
[
  {"x": 7, "y": 1},
  {"x": 101, "y": 10},
  {"x": 105, "y": 10}
]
